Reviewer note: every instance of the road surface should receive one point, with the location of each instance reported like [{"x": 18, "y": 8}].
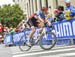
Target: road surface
[{"x": 36, "y": 51}]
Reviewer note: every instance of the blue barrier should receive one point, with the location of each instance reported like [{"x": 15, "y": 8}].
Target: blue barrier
[
  {"x": 64, "y": 30},
  {"x": 8, "y": 39}
]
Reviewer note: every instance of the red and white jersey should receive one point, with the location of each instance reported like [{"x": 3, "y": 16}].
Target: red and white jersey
[{"x": 0, "y": 27}]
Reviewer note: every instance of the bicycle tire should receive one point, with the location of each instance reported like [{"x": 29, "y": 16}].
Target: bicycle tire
[
  {"x": 43, "y": 46},
  {"x": 23, "y": 46}
]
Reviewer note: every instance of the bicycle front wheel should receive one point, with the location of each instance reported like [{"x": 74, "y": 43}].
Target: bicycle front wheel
[
  {"x": 47, "y": 40},
  {"x": 23, "y": 45}
]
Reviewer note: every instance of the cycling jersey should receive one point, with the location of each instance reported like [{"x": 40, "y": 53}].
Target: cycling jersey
[
  {"x": 33, "y": 15},
  {"x": 32, "y": 20},
  {"x": 41, "y": 14}
]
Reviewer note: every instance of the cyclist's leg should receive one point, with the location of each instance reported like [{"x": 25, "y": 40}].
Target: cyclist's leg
[
  {"x": 32, "y": 28},
  {"x": 32, "y": 31},
  {"x": 40, "y": 25},
  {"x": 32, "y": 24}
]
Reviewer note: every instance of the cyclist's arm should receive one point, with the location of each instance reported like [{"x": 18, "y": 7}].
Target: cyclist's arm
[
  {"x": 39, "y": 18},
  {"x": 39, "y": 13}
]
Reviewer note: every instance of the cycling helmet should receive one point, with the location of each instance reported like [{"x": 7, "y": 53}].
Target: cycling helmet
[{"x": 44, "y": 9}]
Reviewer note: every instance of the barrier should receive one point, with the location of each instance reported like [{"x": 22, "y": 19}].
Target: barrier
[
  {"x": 8, "y": 39},
  {"x": 65, "y": 30}
]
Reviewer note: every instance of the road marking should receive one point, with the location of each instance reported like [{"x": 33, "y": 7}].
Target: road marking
[
  {"x": 18, "y": 52},
  {"x": 61, "y": 47},
  {"x": 61, "y": 55},
  {"x": 50, "y": 56},
  {"x": 67, "y": 54},
  {"x": 38, "y": 53}
]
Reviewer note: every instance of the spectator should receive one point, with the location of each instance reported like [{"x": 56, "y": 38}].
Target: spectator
[
  {"x": 5, "y": 29},
  {"x": 0, "y": 32},
  {"x": 68, "y": 5},
  {"x": 17, "y": 29},
  {"x": 49, "y": 18},
  {"x": 11, "y": 29},
  {"x": 59, "y": 13},
  {"x": 0, "y": 28},
  {"x": 71, "y": 10},
  {"x": 21, "y": 25}
]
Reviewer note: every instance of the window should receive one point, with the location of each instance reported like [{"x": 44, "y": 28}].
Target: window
[
  {"x": 18, "y": 0},
  {"x": 56, "y": 3},
  {"x": 29, "y": 7},
  {"x": 47, "y": 3},
  {"x": 13, "y": 0},
  {"x": 40, "y": 4},
  {"x": 36, "y": 4}
]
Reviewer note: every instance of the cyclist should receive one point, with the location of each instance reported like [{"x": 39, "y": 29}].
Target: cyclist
[{"x": 38, "y": 19}]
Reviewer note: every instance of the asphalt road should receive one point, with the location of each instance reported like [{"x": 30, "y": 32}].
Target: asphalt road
[{"x": 36, "y": 51}]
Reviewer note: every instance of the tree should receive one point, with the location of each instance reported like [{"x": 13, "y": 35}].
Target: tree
[{"x": 11, "y": 15}]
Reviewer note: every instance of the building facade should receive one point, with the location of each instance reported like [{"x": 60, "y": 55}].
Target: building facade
[
  {"x": 22, "y": 4},
  {"x": 31, "y": 6}
]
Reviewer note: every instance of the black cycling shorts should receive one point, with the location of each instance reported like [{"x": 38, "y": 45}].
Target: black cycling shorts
[{"x": 32, "y": 22}]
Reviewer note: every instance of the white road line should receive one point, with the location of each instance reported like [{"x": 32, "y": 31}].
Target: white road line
[
  {"x": 60, "y": 55},
  {"x": 37, "y": 53},
  {"x": 50, "y": 56},
  {"x": 67, "y": 54},
  {"x": 20, "y": 52}
]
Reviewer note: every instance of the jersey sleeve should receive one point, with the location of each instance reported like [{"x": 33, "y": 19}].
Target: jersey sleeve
[{"x": 38, "y": 13}]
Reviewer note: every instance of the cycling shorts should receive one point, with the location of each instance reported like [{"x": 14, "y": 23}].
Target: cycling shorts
[{"x": 32, "y": 22}]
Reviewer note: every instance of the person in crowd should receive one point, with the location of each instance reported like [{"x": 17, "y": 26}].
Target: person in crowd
[
  {"x": 1, "y": 32},
  {"x": 21, "y": 26},
  {"x": 70, "y": 8},
  {"x": 59, "y": 13},
  {"x": 0, "y": 28},
  {"x": 5, "y": 29},
  {"x": 50, "y": 18},
  {"x": 11, "y": 30},
  {"x": 16, "y": 29}
]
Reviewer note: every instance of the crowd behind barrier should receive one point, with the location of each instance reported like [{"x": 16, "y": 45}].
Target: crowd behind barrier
[{"x": 65, "y": 31}]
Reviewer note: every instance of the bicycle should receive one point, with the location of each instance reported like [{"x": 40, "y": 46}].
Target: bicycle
[{"x": 42, "y": 39}]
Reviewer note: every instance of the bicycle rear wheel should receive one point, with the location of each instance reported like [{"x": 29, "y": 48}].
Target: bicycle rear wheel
[
  {"x": 23, "y": 46},
  {"x": 47, "y": 40}
]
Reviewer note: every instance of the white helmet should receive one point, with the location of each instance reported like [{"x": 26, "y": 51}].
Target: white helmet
[{"x": 67, "y": 1}]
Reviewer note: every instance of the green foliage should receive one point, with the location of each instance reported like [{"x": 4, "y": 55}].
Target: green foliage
[{"x": 10, "y": 15}]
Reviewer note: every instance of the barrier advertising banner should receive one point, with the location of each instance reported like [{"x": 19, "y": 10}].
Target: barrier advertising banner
[{"x": 63, "y": 29}]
